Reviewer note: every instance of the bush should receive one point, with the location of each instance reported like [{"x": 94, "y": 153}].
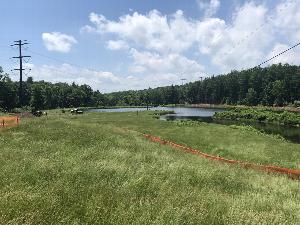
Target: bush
[
  {"x": 260, "y": 115},
  {"x": 296, "y": 104}
]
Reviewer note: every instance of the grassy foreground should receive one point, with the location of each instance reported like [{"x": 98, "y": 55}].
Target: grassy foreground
[{"x": 87, "y": 169}]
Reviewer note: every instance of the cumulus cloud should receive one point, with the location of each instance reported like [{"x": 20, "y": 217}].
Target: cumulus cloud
[
  {"x": 227, "y": 43},
  {"x": 172, "y": 63},
  {"x": 209, "y": 7},
  {"x": 58, "y": 42},
  {"x": 68, "y": 74},
  {"x": 103, "y": 81},
  {"x": 287, "y": 20},
  {"x": 243, "y": 43},
  {"x": 152, "y": 31},
  {"x": 160, "y": 46},
  {"x": 117, "y": 45}
]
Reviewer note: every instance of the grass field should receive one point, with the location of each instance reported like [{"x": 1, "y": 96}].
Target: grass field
[{"x": 87, "y": 169}]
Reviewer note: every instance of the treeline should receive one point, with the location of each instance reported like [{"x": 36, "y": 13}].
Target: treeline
[
  {"x": 45, "y": 95},
  {"x": 275, "y": 85}
]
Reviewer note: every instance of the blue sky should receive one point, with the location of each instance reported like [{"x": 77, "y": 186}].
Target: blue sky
[{"x": 119, "y": 45}]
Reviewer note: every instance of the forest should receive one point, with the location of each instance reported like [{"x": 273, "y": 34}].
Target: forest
[{"x": 276, "y": 85}]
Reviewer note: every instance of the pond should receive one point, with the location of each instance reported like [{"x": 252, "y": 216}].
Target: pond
[
  {"x": 179, "y": 111},
  {"x": 119, "y": 110},
  {"x": 205, "y": 115}
]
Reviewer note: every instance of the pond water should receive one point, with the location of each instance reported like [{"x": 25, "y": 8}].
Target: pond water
[
  {"x": 205, "y": 115},
  {"x": 179, "y": 111},
  {"x": 118, "y": 110}
]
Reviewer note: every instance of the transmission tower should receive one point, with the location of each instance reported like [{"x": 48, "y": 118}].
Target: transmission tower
[{"x": 20, "y": 44}]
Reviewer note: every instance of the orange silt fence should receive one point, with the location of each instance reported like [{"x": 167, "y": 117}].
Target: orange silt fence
[{"x": 9, "y": 121}]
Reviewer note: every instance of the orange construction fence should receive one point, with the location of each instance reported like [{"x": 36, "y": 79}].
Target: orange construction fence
[{"x": 9, "y": 121}]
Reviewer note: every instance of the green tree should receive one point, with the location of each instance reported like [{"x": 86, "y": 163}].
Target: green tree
[{"x": 251, "y": 97}]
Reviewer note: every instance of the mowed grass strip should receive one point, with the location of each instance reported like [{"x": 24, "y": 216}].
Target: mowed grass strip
[{"x": 81, "y": 170}]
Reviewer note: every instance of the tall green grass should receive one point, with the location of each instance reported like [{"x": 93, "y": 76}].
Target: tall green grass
[
  {"x": 227, "y": 141},
  {"x": 87, "y": 169}
]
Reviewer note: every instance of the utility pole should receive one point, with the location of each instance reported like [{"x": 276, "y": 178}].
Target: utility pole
[
  {"x": 182, "y": 80},
  {"x": 20, "y": 43}
]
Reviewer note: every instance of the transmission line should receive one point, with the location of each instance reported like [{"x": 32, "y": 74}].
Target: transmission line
[
  {"x": 275, "y": 56},
  {"x": 20, "y": 44}
]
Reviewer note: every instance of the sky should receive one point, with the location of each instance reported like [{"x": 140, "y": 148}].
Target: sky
[{"x": 115, "y": 45}]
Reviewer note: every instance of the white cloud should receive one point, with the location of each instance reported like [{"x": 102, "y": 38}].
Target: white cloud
[
  {"x": 174, "y": 63},
  {"x": 68, "y": 73},
  {"x": 59, "y": 42},
  {"x": 209, "y": 7},
  {"x": 227, "y": 44},
  {"x": 152, "y": 31},
  {"x": 99, "y": 80},
  {"x": 210, "y": 34},
  {"x": 117, "y": 45},
  {"x": 243, "y": 43},
  {"x": 154, "y": 69},
  {"x": 160, "y": 46},
  {"x": 287, "y": 20}
]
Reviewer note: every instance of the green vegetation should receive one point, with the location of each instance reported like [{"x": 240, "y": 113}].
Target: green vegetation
[
  {"x": 45, "y": 95},
  {"x": 277, "y": 85},
  {"x": 88, "y": 169},
  {"x": 260, "y": 115},
  {"x": 230, "y": 142}
]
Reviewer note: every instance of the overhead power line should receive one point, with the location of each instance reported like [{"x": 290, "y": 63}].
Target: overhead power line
[
  {"x": 79, "y": 66},
  {"x": 20, "y": 44},
  {"x": 275, "y": 56},
  {"x": 62, "y": 61},
  {"x": 253, "y": 32}
]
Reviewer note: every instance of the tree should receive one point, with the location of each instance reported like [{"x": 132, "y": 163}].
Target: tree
[
  {"x": 37, "y": 97},
  {"x": 251, "y": 97},
  {"x": 278, "y": 92}
]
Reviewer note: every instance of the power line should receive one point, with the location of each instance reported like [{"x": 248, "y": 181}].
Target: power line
[
  {"x": 183, "y": 79},
  {"x": 20, "y": 44},
  {"x": 62, "y": 61},
  {"x": 269, "y": 18},
  {"x": 275, "y": 56}
]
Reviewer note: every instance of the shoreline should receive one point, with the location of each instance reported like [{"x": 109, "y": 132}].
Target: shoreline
[{"x": 272, "y": 108}]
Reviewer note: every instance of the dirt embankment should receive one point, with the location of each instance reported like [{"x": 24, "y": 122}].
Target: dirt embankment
[{"x": 292, "y": 173}]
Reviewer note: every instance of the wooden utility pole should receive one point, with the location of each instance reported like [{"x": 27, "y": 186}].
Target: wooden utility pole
[{"x": 19, "y": 43}]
